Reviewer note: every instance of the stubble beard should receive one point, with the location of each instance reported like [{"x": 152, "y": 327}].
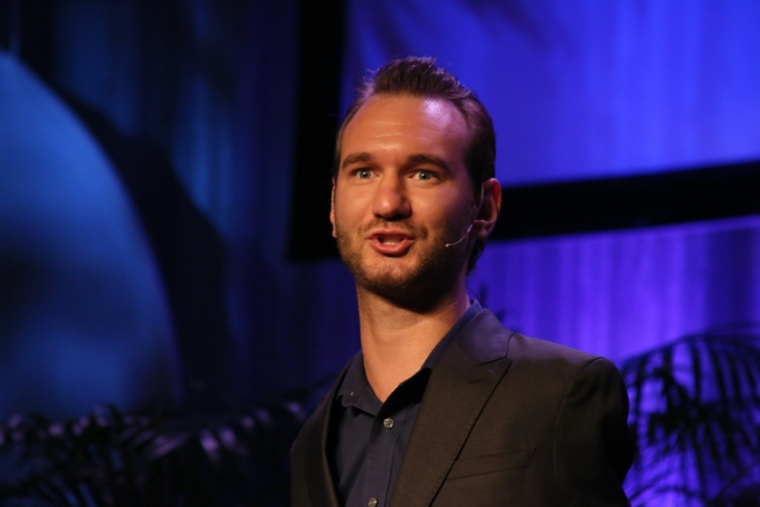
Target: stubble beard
[{"x": 435, "y": 271}]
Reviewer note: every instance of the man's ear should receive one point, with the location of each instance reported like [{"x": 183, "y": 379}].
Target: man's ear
[
  {"x": 490, "y": 204},
  {"x": 332, "y": 209}
]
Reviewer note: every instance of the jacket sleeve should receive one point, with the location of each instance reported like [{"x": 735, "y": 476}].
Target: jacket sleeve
[{"x": 593, "y": 447}]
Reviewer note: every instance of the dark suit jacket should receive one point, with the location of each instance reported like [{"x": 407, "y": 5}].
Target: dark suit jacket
[{"x": 505, "y": 420}]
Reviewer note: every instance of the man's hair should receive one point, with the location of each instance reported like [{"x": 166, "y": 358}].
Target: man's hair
[{"x": 420, "y": 77}]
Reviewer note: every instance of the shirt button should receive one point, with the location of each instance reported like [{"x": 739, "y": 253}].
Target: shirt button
[
  {"x": 388, "y": 423},
  {"x": 372, "y": 502}
]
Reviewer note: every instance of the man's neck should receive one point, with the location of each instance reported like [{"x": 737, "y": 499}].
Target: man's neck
[{"x": 397, "y": 340}]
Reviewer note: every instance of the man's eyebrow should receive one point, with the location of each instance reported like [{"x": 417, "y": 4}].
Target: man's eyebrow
[
  {"x": 355, "y": 158},
  {"x": 422, "y": 158}
]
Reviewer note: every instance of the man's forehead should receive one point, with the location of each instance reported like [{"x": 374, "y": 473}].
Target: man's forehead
[
  {"x": 384, "y": 114},
  {"x": 432, "y": 106}
]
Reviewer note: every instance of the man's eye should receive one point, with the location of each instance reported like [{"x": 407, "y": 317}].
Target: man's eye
[
  {"x": 424, "y": 175},
  {"x": 363, "y": 174}
]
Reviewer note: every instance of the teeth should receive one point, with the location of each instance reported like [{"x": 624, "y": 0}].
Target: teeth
[{"x": 390, "y": 241}]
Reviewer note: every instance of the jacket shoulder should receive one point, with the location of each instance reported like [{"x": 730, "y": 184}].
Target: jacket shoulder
[{"x": 525, "y": 349}]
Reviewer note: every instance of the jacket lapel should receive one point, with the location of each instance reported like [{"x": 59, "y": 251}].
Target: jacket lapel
[
  {"x": 459, "y": 387},
  {"x": 319, "y": 480}
]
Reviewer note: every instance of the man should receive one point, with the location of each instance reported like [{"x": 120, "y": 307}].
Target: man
[{"x": 443, "y": 406}]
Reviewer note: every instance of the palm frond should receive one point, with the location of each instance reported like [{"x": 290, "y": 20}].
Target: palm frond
[{"x": 695, "y": 408}]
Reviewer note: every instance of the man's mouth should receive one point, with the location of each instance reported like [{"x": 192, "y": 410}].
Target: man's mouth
[
  {"x": 390, "y": 240},
  {"x": 391, "y": 243}
]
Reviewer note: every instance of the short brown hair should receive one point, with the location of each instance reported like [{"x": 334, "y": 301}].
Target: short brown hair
[{"x": 420, "y": 77}]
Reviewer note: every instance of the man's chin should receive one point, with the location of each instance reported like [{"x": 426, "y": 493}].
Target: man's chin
[
  {"x": 386, "y": 280},
  {"x": 411, "y": 288}
]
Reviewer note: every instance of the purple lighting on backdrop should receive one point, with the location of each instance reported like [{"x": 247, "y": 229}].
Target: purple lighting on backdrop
[
  {"x": 585, "y": 89},
  {"x": 621, "y": 293}
]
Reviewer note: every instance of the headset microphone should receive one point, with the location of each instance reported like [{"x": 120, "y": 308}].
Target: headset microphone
[
  {"x": 460, "y": 239},
  {"x": 470, "y": 227}
]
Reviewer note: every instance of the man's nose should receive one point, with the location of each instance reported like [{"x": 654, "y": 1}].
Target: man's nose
[{"x": 391, "y": 199}]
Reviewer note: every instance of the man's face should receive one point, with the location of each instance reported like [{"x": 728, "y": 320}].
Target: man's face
[{"x": 401, "y": 193}]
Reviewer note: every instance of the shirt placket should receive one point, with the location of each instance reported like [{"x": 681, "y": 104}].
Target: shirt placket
[{"x": 386, "y": 431}]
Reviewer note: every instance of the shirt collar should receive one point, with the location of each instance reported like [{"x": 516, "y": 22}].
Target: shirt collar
[{"x": 355, "y": 386}]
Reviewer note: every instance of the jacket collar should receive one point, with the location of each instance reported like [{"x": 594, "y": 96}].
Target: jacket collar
[
  {"x": 465, "y": 375},
  {"x": 319, "y": 481},
  {"x": 468, "y": 371}
]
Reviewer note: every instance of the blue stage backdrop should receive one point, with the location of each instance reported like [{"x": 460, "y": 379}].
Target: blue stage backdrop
[
  {"x": 83, "y": 315},
  {"x": 173, "y": 246}
]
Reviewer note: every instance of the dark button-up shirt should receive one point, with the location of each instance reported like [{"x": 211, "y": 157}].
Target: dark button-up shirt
[{"x": 371, "y": 435}]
